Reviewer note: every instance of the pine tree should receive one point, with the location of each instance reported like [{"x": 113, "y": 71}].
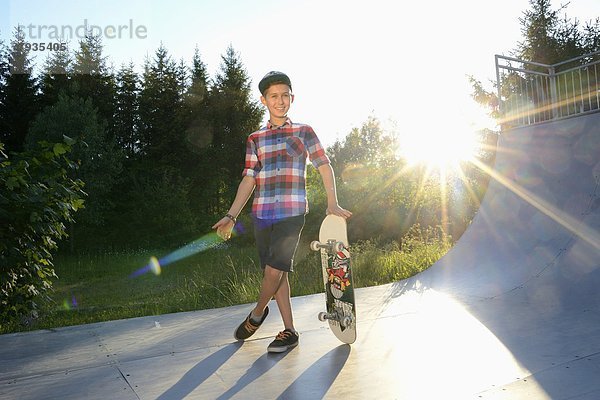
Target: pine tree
[
  {"x": 183, "y": 77},
  {"x": 550, "y": 37},
  {"x": 4, "y": 72},
  {"x": 20, "y": 102},
  {"x": 160, "y": 102},
  {"x": 56, "y": 77},
  {"x": 92, "y": 78},
  {"x": 200, "y": 80},
  {"x": 195, "y": 107},
  {"x": 127, "y": 111},
  {"x": 198, "y": 137},
  {"x": 234, "y": 115}
]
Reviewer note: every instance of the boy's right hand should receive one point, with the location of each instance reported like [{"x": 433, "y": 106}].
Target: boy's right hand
[{"x": 224, "y": 228}]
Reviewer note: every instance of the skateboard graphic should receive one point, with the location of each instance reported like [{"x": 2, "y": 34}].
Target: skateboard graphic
[{"x": 337, "y": 278}]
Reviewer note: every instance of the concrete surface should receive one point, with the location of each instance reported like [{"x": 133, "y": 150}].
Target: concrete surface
[{"x": 511, "y": 312}]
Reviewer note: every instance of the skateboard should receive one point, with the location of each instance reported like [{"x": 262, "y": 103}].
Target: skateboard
[{"x": 337, "y": 278}]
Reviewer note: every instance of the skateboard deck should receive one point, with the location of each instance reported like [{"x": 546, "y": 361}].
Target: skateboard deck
[{"x": 337, "y": 278}]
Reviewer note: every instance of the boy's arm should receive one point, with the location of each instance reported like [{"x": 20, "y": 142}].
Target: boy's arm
[
  {"x": 329, "y": 183},
  {"x": 226, "y": 224}
]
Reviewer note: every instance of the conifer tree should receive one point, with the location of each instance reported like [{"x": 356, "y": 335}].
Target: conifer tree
[
  {"x": 234, "y": 115},
  {"x": 550, "y": 37},
  {"x": 197, "y": 135},
  {"x": 92, "y": 78},
  {"x": 20, "y": 101},
  {"x": 56, "y": 75},
  {"x": 127, "y": 110},
  {"x": 160, "y": 102}
]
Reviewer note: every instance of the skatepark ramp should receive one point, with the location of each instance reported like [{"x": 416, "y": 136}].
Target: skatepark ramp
[
  {"x": 511, "y": 312},
  {"x": 528, "y": 267}
]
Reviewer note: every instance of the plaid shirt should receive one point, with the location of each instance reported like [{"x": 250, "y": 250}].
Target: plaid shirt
[{"x": 276, "y": 158}]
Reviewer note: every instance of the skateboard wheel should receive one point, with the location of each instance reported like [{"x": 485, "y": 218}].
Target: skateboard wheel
[
  {"x": 346, "y": 321},
  {"x": 315, "y": 245},
  {"x": 339, "y": 246},
  {"x": 322, "y": 316}
]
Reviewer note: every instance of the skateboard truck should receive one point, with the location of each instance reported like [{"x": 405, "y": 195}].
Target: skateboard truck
[
  {"x": 331, "y": 245},
  {"x": 344, "y": 320}
]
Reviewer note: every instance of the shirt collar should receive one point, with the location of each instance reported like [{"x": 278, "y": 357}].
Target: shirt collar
[{"x": 288, "y": 122}]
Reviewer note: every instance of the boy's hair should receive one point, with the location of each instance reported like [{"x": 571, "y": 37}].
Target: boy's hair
[{"x": 272, "y": 78}]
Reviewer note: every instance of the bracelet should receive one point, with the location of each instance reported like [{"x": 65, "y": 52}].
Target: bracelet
[{"x": 231, "y": 217}]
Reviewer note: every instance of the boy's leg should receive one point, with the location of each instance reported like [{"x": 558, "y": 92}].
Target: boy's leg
[
  {"x": 282, "y": 297},
  {"x": 276, "y": 245},
  {"x": 275, "y": 283},
  {"x": 272, "y": 280}
]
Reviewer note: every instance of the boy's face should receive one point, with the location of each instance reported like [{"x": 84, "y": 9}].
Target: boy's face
[{"x": 278, "y": 99}]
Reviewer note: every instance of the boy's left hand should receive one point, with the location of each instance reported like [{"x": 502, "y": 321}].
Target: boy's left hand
[{"x": 339, "y": 211}]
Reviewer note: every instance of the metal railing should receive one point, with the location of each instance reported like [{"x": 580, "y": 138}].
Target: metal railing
[{"x": 530, "y": 92}]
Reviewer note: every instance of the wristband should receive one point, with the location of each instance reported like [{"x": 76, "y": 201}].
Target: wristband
[{"x": 231, "y": 217}]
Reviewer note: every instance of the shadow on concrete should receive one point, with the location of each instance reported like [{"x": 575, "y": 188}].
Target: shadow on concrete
[
  {"x": 260, "y": 367},
  {"x": 200, "y": 372},
  {"x": 319, "y": 377}
]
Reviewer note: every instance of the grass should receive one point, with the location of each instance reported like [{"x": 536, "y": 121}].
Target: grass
[{"x": 98, "y": 287}]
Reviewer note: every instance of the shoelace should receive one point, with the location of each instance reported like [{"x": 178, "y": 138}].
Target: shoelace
[
  {"x": 249, "y": 327},
  {"x": 283, "y": 335}
]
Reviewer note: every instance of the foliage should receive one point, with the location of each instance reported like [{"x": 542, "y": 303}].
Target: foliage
[
  {"x": 19, "y": 96},
  {"x": 97, "y": 286},
  {"x": 154, "y": 211},
  {"x": 38, "y": 197},
  {"x": 127, "y": 103},
  {"x": 98, "y": 156},
  {"x": 233, "y": 116},
  {"x": 91, "y": 78},
  {"x": 387, "y": 196},
  {"x": 159, "y": 105},
  {"x": 56, "y": 77},
  {"x": 549, "y": 37}
]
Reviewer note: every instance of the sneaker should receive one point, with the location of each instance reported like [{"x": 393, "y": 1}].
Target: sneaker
[
  {"x": 284, "y": 341},
  {"x": 248, "y": 327}
]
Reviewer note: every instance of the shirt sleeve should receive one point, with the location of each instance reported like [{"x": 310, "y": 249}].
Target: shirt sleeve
[
  {"x": 252, "y": 164},
  {"x": 316, "y": 152}
]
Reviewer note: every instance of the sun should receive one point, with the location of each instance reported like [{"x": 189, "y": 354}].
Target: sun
[{"x": 441, "y": 148}]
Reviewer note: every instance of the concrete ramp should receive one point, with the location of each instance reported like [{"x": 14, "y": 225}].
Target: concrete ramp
[{"x": 511, "y": 312}]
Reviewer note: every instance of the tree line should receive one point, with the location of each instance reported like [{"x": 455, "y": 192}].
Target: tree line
[{"x": 155, "y": 150}]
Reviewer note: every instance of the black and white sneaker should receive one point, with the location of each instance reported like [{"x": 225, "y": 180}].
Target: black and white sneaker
[
  {"x": 284, "y": 341},
  {"x": 248, "y": 327}
]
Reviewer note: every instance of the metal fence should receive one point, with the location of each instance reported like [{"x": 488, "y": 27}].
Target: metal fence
[{"x": 531, "y": 92}]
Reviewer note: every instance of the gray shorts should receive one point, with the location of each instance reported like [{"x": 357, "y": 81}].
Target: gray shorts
[{"x": 277, "y": 241}]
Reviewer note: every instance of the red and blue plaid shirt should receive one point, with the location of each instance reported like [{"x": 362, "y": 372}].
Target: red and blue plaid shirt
[{"x": 276, "y": 158}]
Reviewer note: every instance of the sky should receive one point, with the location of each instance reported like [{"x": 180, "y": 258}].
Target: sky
[{"x": 405, "y": 63}]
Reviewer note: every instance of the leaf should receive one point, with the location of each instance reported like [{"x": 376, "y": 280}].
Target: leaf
[
  {"x": 12, "y": 182},
  {"x": 59, "y": 149},
  {"x": 69, "y": 141}
]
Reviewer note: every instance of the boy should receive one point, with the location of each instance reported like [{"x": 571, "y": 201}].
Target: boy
[{"x": 275, "y": 170}]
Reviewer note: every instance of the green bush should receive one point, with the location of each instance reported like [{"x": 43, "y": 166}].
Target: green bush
[{"x": 37, "y": 198}]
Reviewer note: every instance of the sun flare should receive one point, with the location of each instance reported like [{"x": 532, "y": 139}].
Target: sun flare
[
  {"x": 444, "y": 148},
  {"x": 438, "y": 149}
]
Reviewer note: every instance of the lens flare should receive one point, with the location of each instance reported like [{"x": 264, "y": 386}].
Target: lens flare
[
  {"x": 155, "y": 265},
  {"x": 68, "y": 306}
]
